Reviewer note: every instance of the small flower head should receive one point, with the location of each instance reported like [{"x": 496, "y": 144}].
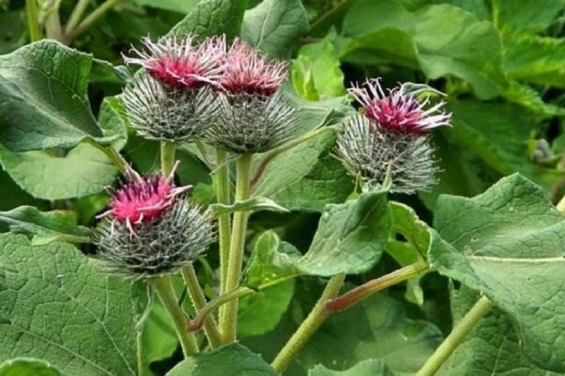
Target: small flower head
[
  {"x": 180, "y": 62},
  {"x": 247, "y": 71},
  {"x": 400, "y": 111},
  {"x": 150, "y": 229},
  {"x": 159, "y": 112},
  {"x": 369, "y": 152}
]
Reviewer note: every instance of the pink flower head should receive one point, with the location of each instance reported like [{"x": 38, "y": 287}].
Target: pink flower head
[
  {"x": 247, "y": 71},
  {"x": 401, "y": 111},
  {"x": 180, "y": 62},
  {"x": 140, "y": 200}
]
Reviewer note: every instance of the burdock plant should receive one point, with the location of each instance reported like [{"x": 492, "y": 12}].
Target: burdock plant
[{"x": 178, "y": 262}]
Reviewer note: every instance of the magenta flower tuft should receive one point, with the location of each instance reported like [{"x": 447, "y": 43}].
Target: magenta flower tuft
[
  {"x": 181, "y": 62},
  {"x": 247, "y": 71},
  {"x": 142, "y": 200},
  {"x": 401, "y": 111},
  {"x": 151, "y": 229}
]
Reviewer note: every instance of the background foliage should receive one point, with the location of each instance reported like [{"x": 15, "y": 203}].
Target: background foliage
[{"x": 500, "y": 62}]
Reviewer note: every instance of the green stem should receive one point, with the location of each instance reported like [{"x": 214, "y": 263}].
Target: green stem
[
  {"x": 197, "y": 323},
  {"x": 53, "y": 29},
  {"x": 164, "y": 289},
  {"x": 479, "y": 310},
  {"x": 92, "y": 18},
  {"x": 316, "y": 317},
  {"x": 359, "y": 293},
  {"x": 199, "y": 301},
  {"x": 32, "y": 16},
  {"x": 167, "y": 157},
  {"x": 139, "y": 345},
  {"x": 228, "y": 322},
  {"x": 76, "y": 15},
  {"x": 222, "y": 186}
]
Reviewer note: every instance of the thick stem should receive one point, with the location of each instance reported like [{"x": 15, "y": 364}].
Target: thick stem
[
  {"x": 316, "y": 317},
  {"x": 164, "y": 289},
  {"x": 222, "y": 187},
  {"x": 228, "y": 322},
  {"x": 199, "y": 302},
  {"x": 53, "y": 29},
  {"x": 32, "y": 16},
  {"x": 219, "y": 301},
  {"x": 76, "y": 15},
  {"x": 92, "y": 18},
  {"x": 479, "y": 310},
  {"x": 359, "y": 293},
  {"x": 167, "y": 157}
]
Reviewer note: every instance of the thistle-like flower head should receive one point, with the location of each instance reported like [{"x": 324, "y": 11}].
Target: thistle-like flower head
[
  {"x": 150, "y": 229},
  {"x": 400, "y": 111},
  {"x": 181, "y": 62},
  {"x": 140, "y": 200},
  {"x": 247, "y": 71},
  {"x": 371, "y": 153}
]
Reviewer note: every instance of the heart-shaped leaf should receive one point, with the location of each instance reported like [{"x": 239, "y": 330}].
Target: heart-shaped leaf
[
  {"x": 508, "y": 244},
  {"x": 43, "y": 98}
]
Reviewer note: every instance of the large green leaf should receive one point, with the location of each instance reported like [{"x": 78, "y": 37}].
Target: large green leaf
[
  {"x": 464, "y": 47},
  {"x": 491, "y": 348},
  {"x": 508, "y": 244},
  {"x": 273, "y": 24},
  {"x": 27, "y": 367},
  {"x": 43, "y": 101},
  {"x": 525, "y": 15},
  {"x": 485, "y": 128},
  {"x": 213, "y": 17},
  {"x": 45, "y": 227},
  {"x": 369, "y": 367},
  {"x": 295, "y": 177},
  {"x": 57, "y": 306},
  {"x": 231, "y": 359},
  {"x": 83, "y": 171}
]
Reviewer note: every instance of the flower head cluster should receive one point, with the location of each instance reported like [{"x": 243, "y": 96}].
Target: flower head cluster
[
  {"x": 390, "y": 137},
  {"x": 228, "y": 94},
  {"x": 150, "y": 229}
]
